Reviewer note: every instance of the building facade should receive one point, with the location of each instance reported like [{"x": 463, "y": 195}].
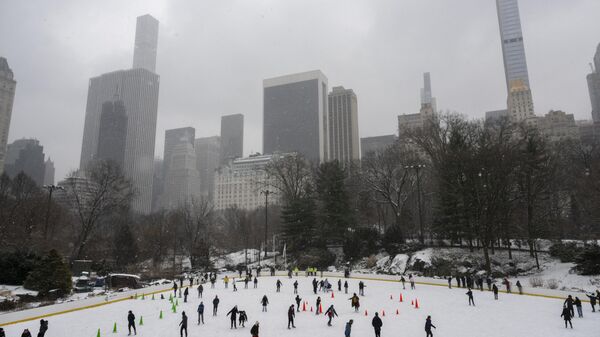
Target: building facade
[
  {"x": 519, "y": 101},
  {"x": 593, "y": 81},
  {"x": 342, "y": 121},
  {"x": 376, "y": 144},
  {"x": 182, "y": 180},
  {"x": 49, "y": 172},
  {"x": 173, "y": 138},
  {"x": 138, "y": 89},
  {"x": 27, "y": 156},
  {"x": 8, "y": 86},
  {"x": 146, "y": 43},
  {"x": 232, "y": 137},
  {"x": 112, "y": 132},
  {"x": 557, "y": 125},
  {"x": 208, "y": 154},
  {"x": 240, "y": 183},
  {"x": 295, "y": 115}
]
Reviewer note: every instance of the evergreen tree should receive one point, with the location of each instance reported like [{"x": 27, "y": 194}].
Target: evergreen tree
[
  {"x": 51, "y": 273},
  {"x": 299, "y": 220}
]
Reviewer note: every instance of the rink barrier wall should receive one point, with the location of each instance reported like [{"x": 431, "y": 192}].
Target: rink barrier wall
[{"x": 277, "y": 274}]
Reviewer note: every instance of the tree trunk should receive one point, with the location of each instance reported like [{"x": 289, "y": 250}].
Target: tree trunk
[{"x": 486, "y": 254}]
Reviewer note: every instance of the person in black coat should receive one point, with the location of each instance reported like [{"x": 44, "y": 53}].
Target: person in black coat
[
  {"x": 495, "y": 291},
  {"x": 254, "y": 330},
  {"x": 318, "y": 304},
  {"x": 291, "y": 315},
  {"x": 264, "y": 302},
  {"x": 278, "y": 285},
  {"x": 186, "y": 292},
  {"x": 428, "y": 326},
  {"x": 175, "y": 287},
  {"x": 200, "y": 290},
  {"x": 183, "y": 324},
  {"x": 243, "y": 318},
  {"x": 566, "y": 315},
  {"x": 298, "y": 300},
  {"x": 26, "y": 333},
  {"x": 470, "y": 294},
  {"x": 592, "y": 298},
  {"x": 215, "y": 305},
  {"x": 330, "y": 313},
  {"x": 569, "y": 303},
  {"x": 2, "y": 334},
  {"x": 233, "y": 316},
  {"x": 131, "y": 322},
  {"x": 339, "y": 285},
  {"x": 295, "y": 287},
  {"x": 449, "y": 282},
  {"x": 43, "y": 328},
  {"x": 345, "y": 287},
  {"x": 201, "y": 313},
  {"x": 377, "y": 324}
]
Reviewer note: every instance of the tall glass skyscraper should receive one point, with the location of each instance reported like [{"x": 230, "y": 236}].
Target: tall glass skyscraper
[{"x": 520, "y": 102}]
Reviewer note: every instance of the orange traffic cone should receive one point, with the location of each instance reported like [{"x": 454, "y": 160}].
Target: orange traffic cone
[
  {"x": 366, "y": 314},
  {"x": 320, "y": 308},
  {"x": 412, "y": 302},
  {"x": 400, "y": 297},
  {"x": 382, "y": 313},
  {"x": 304, "y": 306},
  {"x": 332, "y": 295},
  {"x": 311, "y": 309},
  {"x": 397, "y": 312},
  {"x": 416, "y": 304}
]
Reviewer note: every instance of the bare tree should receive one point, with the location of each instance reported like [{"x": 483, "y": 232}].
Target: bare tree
[{"x": 101, "y": 191}]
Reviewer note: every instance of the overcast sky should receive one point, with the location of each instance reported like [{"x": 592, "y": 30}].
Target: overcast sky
[{"x": 213, "y": 56}]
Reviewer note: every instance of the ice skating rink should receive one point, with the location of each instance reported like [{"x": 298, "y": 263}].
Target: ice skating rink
[{"x": 512, "y": 315}]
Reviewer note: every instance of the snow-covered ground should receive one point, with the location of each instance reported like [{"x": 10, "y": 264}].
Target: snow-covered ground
[{"x": 512, "y": 315}]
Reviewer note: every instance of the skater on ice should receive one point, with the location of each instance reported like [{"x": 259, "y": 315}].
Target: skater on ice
[
  {"x": 131, "y": 323},
  {"x": 377, "y": 324}
]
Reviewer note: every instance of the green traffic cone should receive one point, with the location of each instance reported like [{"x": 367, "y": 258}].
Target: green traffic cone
[
  {"x": 171, "y": 298},
  {"x": 160, "y": 316},
  {"x": 115, "y": 328},
  {"x": 176, "y": 302},
  {"x": 98, "y": 334},
  {"x": 141, "y": 320},
  {"x": 174, "y": 308}
]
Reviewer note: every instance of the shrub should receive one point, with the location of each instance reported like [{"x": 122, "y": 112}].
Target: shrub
[
  {"x": 316, "y": 257},
  {"x": 15, "y": 266},
  {"x": 566, "y": 252},
  {"x": 49, "y": 274},
  {"x": 536, "y": 282},
  {"x": 552, "y": 283},
  {"x": 588, "y": 262}
]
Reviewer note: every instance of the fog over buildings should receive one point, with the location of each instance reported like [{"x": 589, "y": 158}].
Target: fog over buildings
[{"x": 212, "y": 59}]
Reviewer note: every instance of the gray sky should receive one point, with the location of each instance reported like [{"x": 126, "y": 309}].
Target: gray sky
[{"x": 213, "y": 56}]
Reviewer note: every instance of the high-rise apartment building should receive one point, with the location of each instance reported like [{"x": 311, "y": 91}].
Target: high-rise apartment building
[
  {"x": 182, "y": 181},
  {"x": 49, "y": 172},
  {"x": 174, "y": 137},
  {"x": 408, "y": 122},
  {"x": 112, "y": 133},
  {"x": 232, "y": 137},
  {"x": 342, "y": 120},
  {"x": 519, "y": 101},
  {"x": 27, "y": 156},
  {"x": 426, "y": 93},
  {"x": 208, "y": 154},
  {"x": 593, "y": 80},
  {"x": 146, "y": 43},
  {"x": 558, "y": 126},
  {"x": 295, "y": 115},
  {"x": 138, "y": 89},
  {"x": 7, "y": 96}
]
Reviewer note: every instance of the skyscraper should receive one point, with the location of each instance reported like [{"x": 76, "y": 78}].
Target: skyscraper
[
  {"x": 520, "y": 101},
  {"x": 49, "y": 172},
  {"x": 232, "y": 137},
  {"x": 593, "y": 80},
  {"x": 343, "y": 125},
  {"x": 426, "y": 93},
  {"x": 376, "y": 144},
  {"x": 208, "y": 151},
  {"x": 112, "y": 133},
  {"x": 174, "y": 137},
  {"x": 146, "y": 42},
  {"x": 295, "y": 115},
  {"x": 7, "y": 96},
  {"x": 182, "y": 181},
  {"x": 27, "y": 156},
  {"x": 138, "y": 89}
]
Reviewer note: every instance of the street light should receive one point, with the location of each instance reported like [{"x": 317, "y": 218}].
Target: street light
[
  {"x": 417, "y": 168},
  {"x": 266, "y": 193},
  {"x": 51, "y": 189}
]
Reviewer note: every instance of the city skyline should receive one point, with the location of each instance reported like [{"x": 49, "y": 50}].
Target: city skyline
[{"x": 379, "y": 70}]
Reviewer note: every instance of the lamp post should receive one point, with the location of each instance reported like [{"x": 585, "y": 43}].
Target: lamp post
[
  {"x": 417, "y": 168},
  {"x": 266, "y": 193},
  {"x": 51, "y": 189}
]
